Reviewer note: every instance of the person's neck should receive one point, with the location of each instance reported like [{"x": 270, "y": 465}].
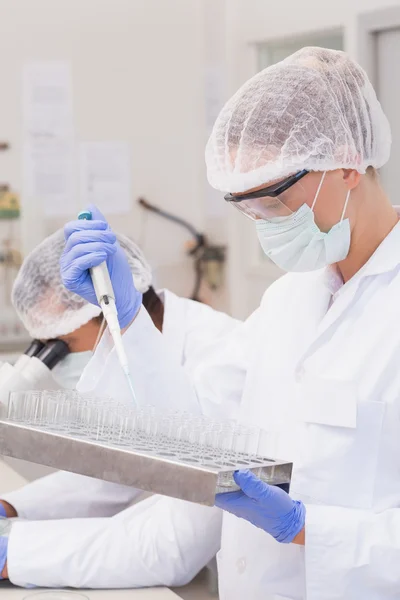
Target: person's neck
[{"x": 378, "y": 219}]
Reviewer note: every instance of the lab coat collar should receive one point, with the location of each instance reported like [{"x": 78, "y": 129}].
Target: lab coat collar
[
  {"x": 333, "y": 279},
  {"x": 385, "y": 258},
  {"x": 174, "y": 324}
]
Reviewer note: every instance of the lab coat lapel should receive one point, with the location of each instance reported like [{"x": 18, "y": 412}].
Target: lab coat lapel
[
  {"x": 269, "y": 391},
  {"x": 313, "y": 306},
  {"x": 339, "y": 306},
  {"x": 384, "y": 260},
  {"x": 321, "y": 399}
]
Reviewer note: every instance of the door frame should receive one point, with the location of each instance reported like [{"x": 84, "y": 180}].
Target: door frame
[{"x": 369, "y": 24}]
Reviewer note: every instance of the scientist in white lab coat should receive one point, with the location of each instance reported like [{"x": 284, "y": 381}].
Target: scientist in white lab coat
[
  {"x": 317, "y": 365},
  {"x": 66, "y": 538}
]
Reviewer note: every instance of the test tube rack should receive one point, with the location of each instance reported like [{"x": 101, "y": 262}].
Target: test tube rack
[{"x": 179, "y": 455}]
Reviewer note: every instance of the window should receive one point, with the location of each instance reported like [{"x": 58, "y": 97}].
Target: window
[{"x": 272, "y": 52}]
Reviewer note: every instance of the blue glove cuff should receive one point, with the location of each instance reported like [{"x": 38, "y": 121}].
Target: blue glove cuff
[
  {"x": 2, "y": 511},
  {"x": 3, "y": 553},
  {"x": 125, "y": 320},
  {"x": 295, "y": 520}
]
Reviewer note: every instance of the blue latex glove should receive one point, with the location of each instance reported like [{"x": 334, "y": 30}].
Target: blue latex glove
[
  {"x": 5, "y": 527},
  {"x": 88, "y": 244},
  {"x": 2, "y": 511},
  {"x": 3, "y": 553},
  {"x": 265, "y": 506}
]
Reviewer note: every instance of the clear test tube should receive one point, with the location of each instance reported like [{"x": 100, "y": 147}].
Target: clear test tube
[
  {"x": 222, "y": 448},
  {"x": 104, "y": 422},
  {"x": 118, "y": 427},
  {"x": 65, "y": 410},
  {"x": 86, "y": 418},
  {"x": 130, "y": 427},
  {"x": 118, "y": 424},
  {"x": 123, "y": 423},
  {"x": 51, "y": 414},
  {"x": 208, "y": 430},
  {"x": 165, "y": 444},
  {"x": 15, "y": 408},
  {"x": 109, "y": 426},
  {"x": 32, "y": 406},
  {"x": 157, "y": 427},
  {"x": 132, "y": 435},
  {"x": 39, "y": 414},
  {"x": 223, "y": 442},
  {"x": 86, "y": 415},
  {"x": 19, "y": 407},
  {"x": 196, "y": 438},
  {"x": 207, "y": 448},
  {"x": 80, "y": 414},
  {"x": 193, "y": 434},
  {"x": 99, "y": 419},
  {"x": 69, "y": 404},
  {"x": 241, "y": 445},
  {"x": 12, "y": 403},
  {"x": 99, "y": 425},
  {"x": 183, "y": 435},
  {"x": 146, "y": 428}
]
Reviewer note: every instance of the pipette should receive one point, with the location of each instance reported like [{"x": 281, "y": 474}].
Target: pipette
[{"x": 106, "y": 299}]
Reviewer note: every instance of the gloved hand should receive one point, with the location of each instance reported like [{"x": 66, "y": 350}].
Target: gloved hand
[
  {"x": 5, "y": 528},
  {"x": 88, "y": 244},
  {"x": 265, "y": 506},
  {"x": 2, "y": 511}
]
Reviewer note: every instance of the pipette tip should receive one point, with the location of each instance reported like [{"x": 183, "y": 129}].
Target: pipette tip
[{"x": 128, "y": 377}]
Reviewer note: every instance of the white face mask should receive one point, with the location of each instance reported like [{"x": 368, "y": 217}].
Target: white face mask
[
  {"x": 68, "y": 372},
  {"x": 296, "y": 243}
]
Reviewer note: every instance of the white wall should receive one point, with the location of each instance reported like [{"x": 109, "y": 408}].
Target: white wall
[{"x": 138, "y": 68}]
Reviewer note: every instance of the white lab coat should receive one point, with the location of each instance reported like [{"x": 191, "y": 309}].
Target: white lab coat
[
  {"x": 323, "y": 381},
  {"x": 160, "y": 541}
]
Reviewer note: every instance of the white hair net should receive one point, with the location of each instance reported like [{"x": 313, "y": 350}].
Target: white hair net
[
  {"x": 46, "y": 308},
  {"x": 315, "y": 110}
]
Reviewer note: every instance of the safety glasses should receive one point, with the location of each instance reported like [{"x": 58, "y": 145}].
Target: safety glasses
[{"x": 272, "y": 201}]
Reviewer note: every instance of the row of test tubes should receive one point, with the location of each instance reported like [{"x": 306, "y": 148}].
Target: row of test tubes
[{"x": 176, "y": 436}]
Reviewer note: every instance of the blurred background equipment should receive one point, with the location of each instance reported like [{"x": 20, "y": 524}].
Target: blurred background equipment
[
  {"x": 12, "y": 333},
  {"x": 208, "y": 259},
  {"x": 33, "y": 369}
]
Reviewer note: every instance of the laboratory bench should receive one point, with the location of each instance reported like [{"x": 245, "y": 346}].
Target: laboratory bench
[{"x": 9, "y": 592}]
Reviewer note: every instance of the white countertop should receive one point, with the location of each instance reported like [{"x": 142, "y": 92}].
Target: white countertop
[{"x": 9, "y": 592}]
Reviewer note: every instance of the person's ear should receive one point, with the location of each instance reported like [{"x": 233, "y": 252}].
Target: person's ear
[{"x": 351, "y": 178}]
